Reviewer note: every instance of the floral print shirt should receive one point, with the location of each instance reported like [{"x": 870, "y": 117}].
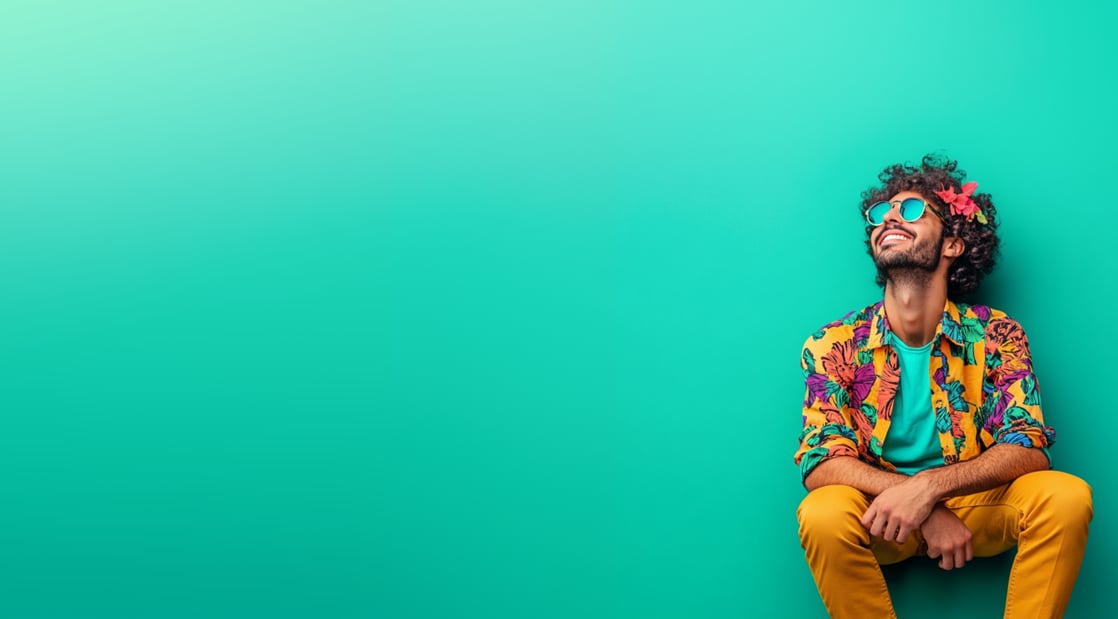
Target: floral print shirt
[{"x": 981, "y": 377}]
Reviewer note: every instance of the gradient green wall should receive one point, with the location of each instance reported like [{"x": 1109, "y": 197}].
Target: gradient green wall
[{"x": 493, "y": 309}]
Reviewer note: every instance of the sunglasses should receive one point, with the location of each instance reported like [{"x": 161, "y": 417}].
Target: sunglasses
[{"x": 910, "y": 210}]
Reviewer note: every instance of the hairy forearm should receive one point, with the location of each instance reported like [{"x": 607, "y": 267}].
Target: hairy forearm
[
  {"x": 997, "y": 465},
  {"x": 850, "y": 471}
]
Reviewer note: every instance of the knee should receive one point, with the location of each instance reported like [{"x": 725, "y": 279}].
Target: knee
[
  {"x": 1067, "y": 497},
  {"x": 832, "y": 513}
]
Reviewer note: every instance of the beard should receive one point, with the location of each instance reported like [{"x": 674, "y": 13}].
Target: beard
[{"x": 912, "y": 266}]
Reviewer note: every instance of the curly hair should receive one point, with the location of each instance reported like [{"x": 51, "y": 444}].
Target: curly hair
[{"x": 935, "y": 173}]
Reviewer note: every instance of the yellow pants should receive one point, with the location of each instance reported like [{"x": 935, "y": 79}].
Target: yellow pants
[{"x": 1045, "y": 514}]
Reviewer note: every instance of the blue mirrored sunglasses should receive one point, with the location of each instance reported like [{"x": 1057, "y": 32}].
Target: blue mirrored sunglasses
[{"x": 910, "y": 210}]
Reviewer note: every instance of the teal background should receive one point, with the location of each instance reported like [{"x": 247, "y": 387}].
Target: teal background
[{"x": 494, "y": 309}]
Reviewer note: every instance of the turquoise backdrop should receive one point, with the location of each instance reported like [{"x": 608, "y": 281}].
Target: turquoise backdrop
[{"x": 494, "y": 309}]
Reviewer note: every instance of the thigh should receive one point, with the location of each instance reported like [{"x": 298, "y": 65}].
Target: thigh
[
  {"x": 996, "y": 516},
  {"x": 835, "y": 512}
]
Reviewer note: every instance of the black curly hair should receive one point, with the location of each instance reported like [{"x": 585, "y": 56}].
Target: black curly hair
[{"x": 935, "y": 173}]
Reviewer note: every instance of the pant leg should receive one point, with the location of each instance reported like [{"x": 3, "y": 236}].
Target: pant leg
[
  {"x": 1046, "y": 514},
  {"x": 843, "y": 558}
]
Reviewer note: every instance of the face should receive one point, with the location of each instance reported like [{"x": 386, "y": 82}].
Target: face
[{"x": 907, "y": 245}]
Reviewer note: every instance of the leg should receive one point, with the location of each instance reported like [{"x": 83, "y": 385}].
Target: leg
[
  {"x": 1046, "y": 514},
  {"x": 842, "y": 556}
]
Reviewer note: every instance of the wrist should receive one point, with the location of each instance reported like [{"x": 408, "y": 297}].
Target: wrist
[{"x": 931, "y": 485}]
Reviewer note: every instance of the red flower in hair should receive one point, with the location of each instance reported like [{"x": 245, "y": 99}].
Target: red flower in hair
[{"x": 961, "y": 203}]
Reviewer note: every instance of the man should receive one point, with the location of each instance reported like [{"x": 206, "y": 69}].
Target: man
[{"x": 923, "y": 431}]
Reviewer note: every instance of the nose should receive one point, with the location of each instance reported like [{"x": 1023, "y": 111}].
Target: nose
[{"x": 893, "y": 215}]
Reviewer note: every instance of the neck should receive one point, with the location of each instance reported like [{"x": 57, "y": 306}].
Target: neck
[{"x": 915, "y": 308}]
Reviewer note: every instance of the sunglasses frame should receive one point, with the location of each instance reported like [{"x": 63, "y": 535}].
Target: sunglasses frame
[{"x": 899, "y": 204}]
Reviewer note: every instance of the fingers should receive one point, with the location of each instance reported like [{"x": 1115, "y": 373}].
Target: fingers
[
  {"x": 902, "y": 534},
  {"x": 868, "y": 518},
  {"x": 950, "y": 559},
  {"x": 886, "y": 530},
  {"x": 946, "y": 559},
  {"x": 898, "y": 531},
  {"x": 878, "y": 524},
  {"x": 889, "y": 529},
  {"x": 888, "y": 526}
]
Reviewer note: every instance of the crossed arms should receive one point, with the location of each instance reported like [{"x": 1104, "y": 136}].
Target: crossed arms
[{"x": 903, "y": 504}]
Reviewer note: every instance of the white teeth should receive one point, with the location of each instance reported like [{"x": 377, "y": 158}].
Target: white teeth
[{"x": 890, "y": 237}]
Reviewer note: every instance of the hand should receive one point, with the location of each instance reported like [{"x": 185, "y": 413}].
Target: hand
[
  {"x": 948, "y": 538},
  {"x": 899, "y": 510}
]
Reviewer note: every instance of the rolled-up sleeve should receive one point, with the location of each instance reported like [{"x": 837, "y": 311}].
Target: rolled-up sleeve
[
  {"x": 827, "y": 431},
  {"x": 1013, "y": 413}
]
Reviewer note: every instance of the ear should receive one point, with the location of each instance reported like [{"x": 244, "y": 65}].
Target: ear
[{"x": 953, "y": 247}]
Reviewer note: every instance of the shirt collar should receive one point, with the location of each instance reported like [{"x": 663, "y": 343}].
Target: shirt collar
[{"x": 950, "y": 326}]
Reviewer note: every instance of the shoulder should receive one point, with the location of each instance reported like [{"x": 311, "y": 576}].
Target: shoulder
[
  {"x": 996, "y": 325},
  {"x": 854, "y": 325}
]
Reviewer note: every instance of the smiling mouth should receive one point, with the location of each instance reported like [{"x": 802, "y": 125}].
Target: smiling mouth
[{"x": 892, "y": 238}]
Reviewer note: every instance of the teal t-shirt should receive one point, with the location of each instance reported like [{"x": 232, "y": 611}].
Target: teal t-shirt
[{"x": 912, "y": 443}]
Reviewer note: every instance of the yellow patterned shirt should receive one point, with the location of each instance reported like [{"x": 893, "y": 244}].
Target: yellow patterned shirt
[{"x": 981, "y": 378}]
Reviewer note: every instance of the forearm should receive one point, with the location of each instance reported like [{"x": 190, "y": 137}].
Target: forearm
[
  {"x": 996, "y": 466},
  {"x": 850, "y": 471}
]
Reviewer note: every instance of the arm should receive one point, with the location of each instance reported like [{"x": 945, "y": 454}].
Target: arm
[
  {"x": 996, "y": 466},
  {"x": 850, "y": 471},
  {"x": 947, "y": 538},
  {"x": 903, "y": 507}
]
